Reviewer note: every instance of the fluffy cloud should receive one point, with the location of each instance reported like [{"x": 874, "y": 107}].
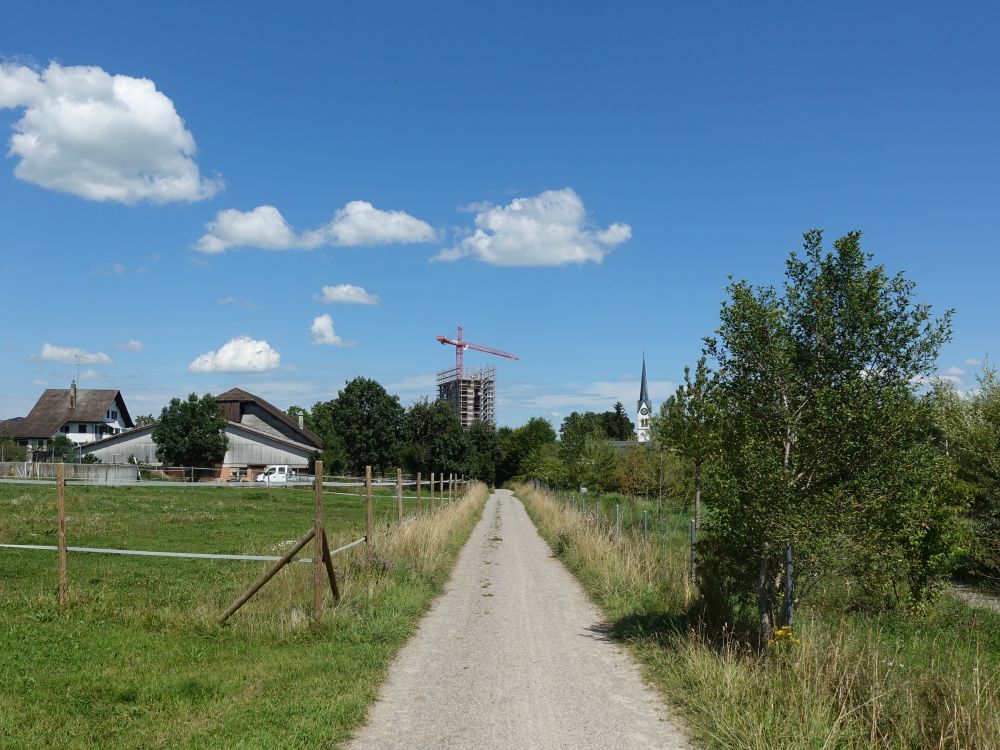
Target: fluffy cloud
[
  {"x": 357, "y": 223},
  {"x": 90, "y": 375},
  {"x": 973, "y": 362},
  {"x": 70, "y": 355},
  {"x": 100, "y": 136},
  {"x": 241, "y": 354},
  {"x": 549, "y": 229},
  {"x": 348, "y": 294},
  {"x": 130, "y": 346},
  {"x": 322, "y": 331}
]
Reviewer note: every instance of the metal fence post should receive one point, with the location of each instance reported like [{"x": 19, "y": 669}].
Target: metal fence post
[
  {"x": 618, "y": 520},
  {"x": 645, "y": 531},
  {"x": 694, "y": 559}
]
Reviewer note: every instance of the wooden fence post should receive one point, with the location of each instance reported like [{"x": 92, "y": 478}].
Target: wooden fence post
[
  {"x": 61, "y": 503},
  {"x": 369, "y": 520},
  {"x": 318, "y": 556},
  {"x": 694, "y": 558},
  {"x": 789, "y": 586},
  {"x": 418, "y": 492},
  {"x": 430, "y": 500},
  {"x": 399, "y": 494},
  {"x": 451, "y": 486}
]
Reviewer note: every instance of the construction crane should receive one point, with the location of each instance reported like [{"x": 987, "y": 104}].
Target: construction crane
[{"x": 460, "y": 347}]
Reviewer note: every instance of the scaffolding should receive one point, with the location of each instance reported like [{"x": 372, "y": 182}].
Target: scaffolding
[{"x": 471, "y": 393}]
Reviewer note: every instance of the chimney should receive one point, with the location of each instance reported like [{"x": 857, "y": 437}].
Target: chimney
[
  {"x": 72, "y": 395},
  {"x": 302, "y": 421}
]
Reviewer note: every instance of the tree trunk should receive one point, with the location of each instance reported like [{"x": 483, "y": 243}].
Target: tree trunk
[
  {"x": 765, "y": 597},
  {"x": 697, "y": 495}
]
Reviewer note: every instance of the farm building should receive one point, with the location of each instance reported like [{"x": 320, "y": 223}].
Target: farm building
[
  {"x": 259, "y": 434},
  {"x": 83, "y": 415}
]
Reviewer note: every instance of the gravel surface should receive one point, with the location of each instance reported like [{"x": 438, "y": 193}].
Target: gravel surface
[{"x": 513, "y": 655}]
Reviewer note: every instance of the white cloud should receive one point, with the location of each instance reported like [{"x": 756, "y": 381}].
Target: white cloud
[
  {"x": 264, "y": 227},
  {"x": 360, "y": 223},
  {"x": 39, "y": 381},
  {"x": 239, "y": 301},
  {"x": 549, "y": 229},
  {"x": 241, "y": 354},
  {"x": 973, "y": 362},
  {"x": 955, "y": 371},
  {"x": 100, "y": 136},
  {"x": 70, "y": 355},
  {"x": 357, "y": 223},
  {"x": 132, "y": 345},
  {"x": 90, "y": 375},
  {"x": 322, "y": 331},
  {"x": 348, "y": 294}
]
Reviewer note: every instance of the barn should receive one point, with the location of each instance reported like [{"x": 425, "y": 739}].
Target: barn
[{"x": 259, "y": 434}]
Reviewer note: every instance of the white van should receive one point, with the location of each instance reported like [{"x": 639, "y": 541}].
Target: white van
[{"x": 276, "y": 474}]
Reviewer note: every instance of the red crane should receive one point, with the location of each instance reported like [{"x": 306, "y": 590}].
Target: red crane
[{"x": 460, "y": 347}]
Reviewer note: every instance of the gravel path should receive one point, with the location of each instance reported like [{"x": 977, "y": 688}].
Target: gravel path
[{"x": 512, "y": 655}]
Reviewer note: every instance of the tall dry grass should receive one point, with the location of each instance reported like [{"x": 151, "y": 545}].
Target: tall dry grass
[
  {"x": 411, "y": 556},
  {"x": 838, "y": 681}
]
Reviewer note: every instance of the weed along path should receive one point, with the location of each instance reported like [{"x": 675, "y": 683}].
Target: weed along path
[{"x": 512, "y": 656}]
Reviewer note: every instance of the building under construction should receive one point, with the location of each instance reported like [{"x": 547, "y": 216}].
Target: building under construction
[{"x": 472, "y": 394}]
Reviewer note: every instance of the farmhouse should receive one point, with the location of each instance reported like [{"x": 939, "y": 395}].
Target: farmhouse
[
  {"x": 82, "y": 415},
  {"x": 259, "y": 434}
]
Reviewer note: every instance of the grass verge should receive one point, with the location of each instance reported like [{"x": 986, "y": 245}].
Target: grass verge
[
  {"x": 138, "y": 660},
  {"x": 838, "y": 681}
]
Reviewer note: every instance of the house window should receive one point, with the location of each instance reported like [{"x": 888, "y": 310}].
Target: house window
[
  {"x": 113, "y": 414},
  {"x": 82, "y": 428},
  {"x": 64, "y": 429}
]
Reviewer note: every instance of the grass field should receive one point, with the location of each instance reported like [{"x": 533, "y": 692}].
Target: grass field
[
  {"x": 138, "y": 660},
  {"x": 840, "y": 681}
]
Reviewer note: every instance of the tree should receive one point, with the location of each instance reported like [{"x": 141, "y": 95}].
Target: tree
[
  {"x": 484, "y": 452},
  {"x": 617, "y": 425},
  {"x": 369, "y": 422},
  {"x": 821, "y": 448},
  {"x": 433, "y": 439},
  {"x": 636, "y": 472},
  {"x": 9, "y": 449},
  {"x": 967, "y": 431},
  {"x": 686, "y": 424},
  {"x": 191, "y": 432},
  {"x": 574, "y": 433},
  {"x": 63, "y": 448},
  {"x": 144, "y": 420},
  {"x": 599, "y": 464},
  {"x": 517, "y": 444}
]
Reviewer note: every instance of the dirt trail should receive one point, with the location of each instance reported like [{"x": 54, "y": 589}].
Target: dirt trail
[{"x": 512, "y": 655}]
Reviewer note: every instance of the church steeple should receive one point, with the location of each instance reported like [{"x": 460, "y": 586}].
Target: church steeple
[{"x": 643, "y": 409}]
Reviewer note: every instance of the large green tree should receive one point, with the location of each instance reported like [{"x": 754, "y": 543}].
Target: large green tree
[
  {"x": 484, "y": 452},
  {"x": 617, "y": 425},
  {"x": 369, "y": 422},
  {"x": 821, "y": 448},
  {"x": 967, "y": 431},
  {"x": 687, "y": 424},
  {"x": 433, "y": 439},
  {"x": 517, "y": 444},
  {"x": 191, "y": 432}
]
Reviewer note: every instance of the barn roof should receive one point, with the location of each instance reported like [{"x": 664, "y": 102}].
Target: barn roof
[
  {"x": 53, "y": 410},
  {"x": 233, "y": 403}
]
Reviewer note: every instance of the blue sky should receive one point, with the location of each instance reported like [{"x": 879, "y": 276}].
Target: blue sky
[{"x": 178, "y": 178}]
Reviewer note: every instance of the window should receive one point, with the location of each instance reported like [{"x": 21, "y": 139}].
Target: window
[
  {"x": 82, "y": 428},
  {"x": 113, "y": 414},
  {"x": 64, "y": 429}
]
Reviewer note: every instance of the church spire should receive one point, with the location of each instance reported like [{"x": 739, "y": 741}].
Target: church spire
[
  {"x": 644, "y": 390},
  {"x": 643, "y": 409}
]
